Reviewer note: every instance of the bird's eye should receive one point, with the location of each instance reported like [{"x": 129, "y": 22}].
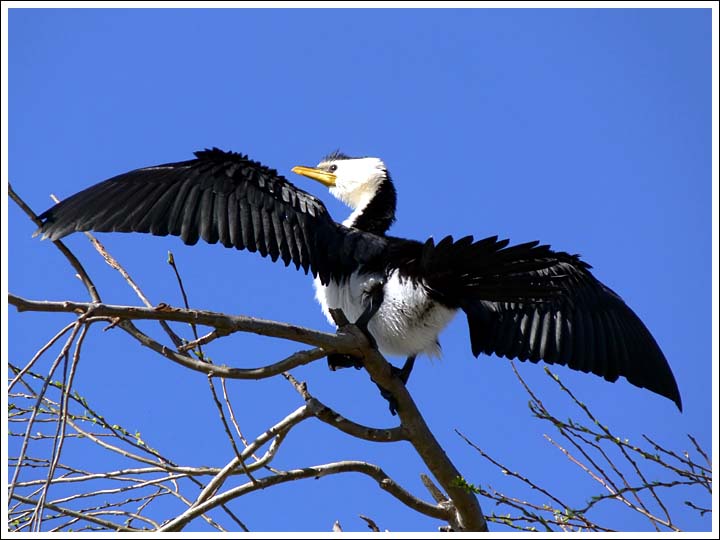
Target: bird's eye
[{"x": 332, "y": 168}]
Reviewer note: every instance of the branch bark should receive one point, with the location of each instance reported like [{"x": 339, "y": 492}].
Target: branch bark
[
  {"x": 341, "y": 342},
  {"x": 79, "y": 515},
  {"x": 469, "y": 515},
  {"x": 299, "y": 358},
  {"x": 462, "y": 511},
  {"x": 318, "y": 471}
]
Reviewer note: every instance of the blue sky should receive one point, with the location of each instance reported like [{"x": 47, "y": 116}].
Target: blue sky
[{"x": 586, "y": 129}]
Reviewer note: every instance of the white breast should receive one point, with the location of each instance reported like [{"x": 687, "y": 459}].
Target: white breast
[{"x": 408, "y": 321}]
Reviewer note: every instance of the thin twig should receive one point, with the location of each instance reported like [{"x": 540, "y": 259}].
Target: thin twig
[
  {"x": 166, "y": 465},
  {"x": 294, "y": 360},
  {"x": 171, "y": 262},
  {"x": 642, "y": 509},
  {"x": 113, "y": 263},
  {"x": 284, "y": 425},
  {"x": 226, "y": 427},
  {"x": 202, "y": 340},
  {"x": 201, "y": 356},
  {"x": 62, "y": 423},
  {"x": 232, "y": 412},
  {"x": 700, "y": 451},
  {"x": 540, "y": 411},
  {"x": 23, "y": 448},
  {"x": 74, "y": 262},
  {"x": 514, "y": 474},
  {"x": 317, "y": 471},
  {"x": 370, "y": 523},
  {"x": 106, "y": 524},
  {"x": 20, "y": 374}
]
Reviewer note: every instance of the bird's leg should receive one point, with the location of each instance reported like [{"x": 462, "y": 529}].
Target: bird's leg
[
  {"x": 401, "y": 373},
  {"x": 374, "y": 295},
  {"x": 404, "y": 373}
]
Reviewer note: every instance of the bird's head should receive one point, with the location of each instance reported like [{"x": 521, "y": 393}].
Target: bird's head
[{"x": 355, "y": 181}]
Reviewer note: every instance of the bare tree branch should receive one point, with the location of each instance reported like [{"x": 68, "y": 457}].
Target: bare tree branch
[
  {"x": 554, "y": 514},
  {"x": 294, "y": 360},
  {"x": 456, "y": 500},
  {"x": 82, "y": 274},
  {"x": 38, "y": 354},
  {"x": 469, "y": 516},
  {"x": 60, "y": 433},
  {"x": 283, "y": 426},
  {"x": 349, "y": 339},
  {"x": 40, "y": 395},
  {"x": 370, "y": 523},
  {"x": 340, "y": 342},
  {"x": 113, "y": 263},
  {"x": 79, "y": 515},
  {"x": 317, "y": 471},
  {"x": 325, "y": 414}
]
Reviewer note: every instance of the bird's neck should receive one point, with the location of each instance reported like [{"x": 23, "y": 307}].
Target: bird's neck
[{"x": 377, "y": 213}]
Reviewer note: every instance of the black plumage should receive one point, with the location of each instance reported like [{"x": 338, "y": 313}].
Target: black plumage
[
  {"x": 218, "y": 197},
  {"x": 587, "y": 327},
  {"x": 226, "y": 197},
  {"x": 524, "y": 301}
]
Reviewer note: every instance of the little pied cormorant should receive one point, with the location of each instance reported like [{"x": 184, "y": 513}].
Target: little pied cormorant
[{"x": 525, "y": 301}]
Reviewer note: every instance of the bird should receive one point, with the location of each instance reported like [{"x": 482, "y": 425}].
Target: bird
[{"x": 524, "y": 301}]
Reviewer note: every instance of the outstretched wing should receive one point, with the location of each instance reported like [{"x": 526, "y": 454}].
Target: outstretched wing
[
  {"x": 587, "y": 327},
  {"x": 455, "y": 271},
  {"x": 219, "y": 197}
]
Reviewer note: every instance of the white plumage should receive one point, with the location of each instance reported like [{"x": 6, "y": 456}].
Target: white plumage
[{"x": 408, "y": 321}]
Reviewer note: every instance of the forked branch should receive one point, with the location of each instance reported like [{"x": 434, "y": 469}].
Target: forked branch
[{"x": 459, "y": 509}]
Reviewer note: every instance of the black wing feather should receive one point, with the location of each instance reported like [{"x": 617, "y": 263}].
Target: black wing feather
[
  {"x": 523, "y": 301},
  {"x": 586, "y": 326},
  {"x": 219, "y": 197}
]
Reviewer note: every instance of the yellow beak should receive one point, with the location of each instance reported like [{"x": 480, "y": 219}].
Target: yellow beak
[{"x": 321, "y": 176}]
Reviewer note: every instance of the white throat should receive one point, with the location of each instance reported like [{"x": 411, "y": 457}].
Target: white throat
[
  {"x": 362, "y": 203},
  {"x": 357, "y": 182}
]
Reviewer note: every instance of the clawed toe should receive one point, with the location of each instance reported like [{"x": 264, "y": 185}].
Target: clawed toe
[
  {"x": 401, "y": 373},
  {"x": 392, "y": 402},
  {"x": 338, "y": 361}
]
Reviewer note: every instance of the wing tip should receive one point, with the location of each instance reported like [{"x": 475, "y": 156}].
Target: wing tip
[
  {"x": 674, "y": 395},
  {"x": 47, "y": 230},
  {"x": 678, "y": 402}
]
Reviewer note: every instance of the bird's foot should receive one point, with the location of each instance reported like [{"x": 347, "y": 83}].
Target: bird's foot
[
  {"x": 337, "y": 361},
  {"x": 392, "y": 402},
  {"x": 401, "y": 373}
]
